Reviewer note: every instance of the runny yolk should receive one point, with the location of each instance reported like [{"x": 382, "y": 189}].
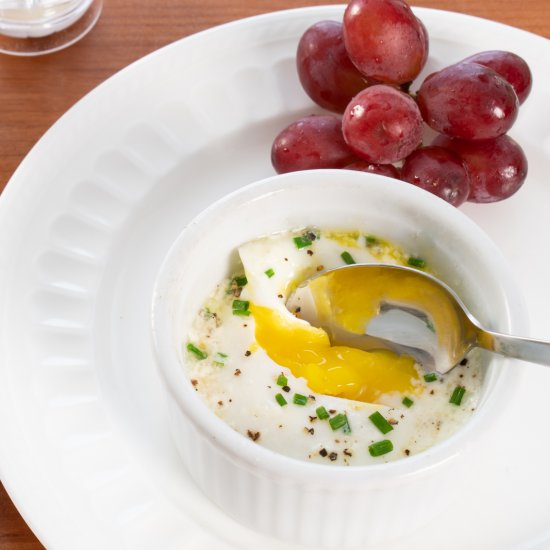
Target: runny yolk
[
  {"x": 332, "y": 370},
  {"x": 351, "y": 297}
]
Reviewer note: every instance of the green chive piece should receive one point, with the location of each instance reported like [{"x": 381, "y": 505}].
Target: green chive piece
[
  {"x": 322, "y": 413},
  {"x": 371, "y": 240},
  {"x": 299, "y": 399},
  {"x": 282, "y": 380},
  {"x": 302, "y": 241},
  {"x": 381, "y": 448},
  {"x": 240, "y": 307},
  {"x": 220, "y": 359},
  {"x": 240, "y": 280},
  {"x": 416, "y": 262},
  {"x": 348, "y": 258},
  {"x": 242, "y": 312},
  {"x": 408, "y": 402},
  {"x": 340, "y": 421},
  {"x": 269, "y": 272},
  {"x": 280, "y": 399},
  {"x": 430, "y": 377},
  {"x": 457, "y": 396},
  {"x": 198, "y": 353},
  {"x": 380, "y": 422},
  {"x": 430, "y": 326}
]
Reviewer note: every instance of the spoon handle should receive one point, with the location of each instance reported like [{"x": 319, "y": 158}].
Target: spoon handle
[{"x": 527, "y": 349}]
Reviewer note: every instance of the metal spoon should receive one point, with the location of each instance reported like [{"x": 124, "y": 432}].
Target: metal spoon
[{"x": 407, "y": 311}]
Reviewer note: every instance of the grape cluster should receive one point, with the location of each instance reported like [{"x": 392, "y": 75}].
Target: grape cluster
[{"x": 363, "y": 68}]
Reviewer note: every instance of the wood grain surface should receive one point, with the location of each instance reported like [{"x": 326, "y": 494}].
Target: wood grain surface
[{"x": 35, "y": 92}]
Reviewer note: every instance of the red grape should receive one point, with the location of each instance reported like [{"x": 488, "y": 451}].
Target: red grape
[
  {"x": 468, "y": 101},
  {"x": 497, "y": 167},
  {"x": 509, "y": 66},
  {"x": 312, "y": 142},
  {"x": 426, "y": 39},
  {"x": 326, "y": 72},
  {"x": 439, "y": 171},
  {"x": 383, "y": 169},
  {"x": 382, "y": 124},
  {"x": 384, "y": 40}
]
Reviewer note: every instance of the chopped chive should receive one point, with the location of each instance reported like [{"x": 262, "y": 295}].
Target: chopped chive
[
  {"x": 430, "y": 377},
  {"x": 322, "y": 413},
  {"x": 243, "y": 312},
  {"x": 240, "y": 307},
  {"x": 240, "y": 280},
  {"x": 340, "y": 421},
  {"x": 416, "y": 262},
  {"x": 198, "y": 353},
  {"x": 347, "y": 257},
  {"x": 302, "y": 241},
  {"x": 458, "y": 394},
  {"x": 282, "y": 380},
  {"x": 299, "y": 399},
  {"x": 430, "y": 326},
  {"x": 269, "y": 272},
  {"x": 380, "y": 422},
  {"x": 381, "y": 447},
  {"x": 408, "y": 402},
  {"x": 281, "y": 400},
  {"x": 220, "y": 359},
  {"x": 371, "y": 240}
]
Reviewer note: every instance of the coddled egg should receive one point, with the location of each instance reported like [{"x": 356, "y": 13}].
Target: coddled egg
[{"x": 267, "y": 373}]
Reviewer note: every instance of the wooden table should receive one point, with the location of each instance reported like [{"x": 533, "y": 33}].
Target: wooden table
[{"x": 34, "y": 92}]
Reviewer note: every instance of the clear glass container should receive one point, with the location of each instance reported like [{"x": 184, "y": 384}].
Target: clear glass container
[{"x": 35, "y": 27}]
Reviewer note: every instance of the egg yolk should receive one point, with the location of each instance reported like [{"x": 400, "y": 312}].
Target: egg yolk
[
  {"x": 341, "y": 371},
  {"x": 350, "y": 299}
]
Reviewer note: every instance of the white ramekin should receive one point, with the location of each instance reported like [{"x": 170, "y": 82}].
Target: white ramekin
[{"x": 314, "y": 504}]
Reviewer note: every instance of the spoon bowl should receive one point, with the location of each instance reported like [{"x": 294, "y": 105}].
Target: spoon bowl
[{"x": 405, "y": 310}]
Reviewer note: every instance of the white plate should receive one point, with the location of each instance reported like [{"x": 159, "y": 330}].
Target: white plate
[{"x": 85, "y": 222}]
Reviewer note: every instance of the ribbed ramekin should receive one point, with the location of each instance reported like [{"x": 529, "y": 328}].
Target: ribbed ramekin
[{"x": 315, "y": 504}]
